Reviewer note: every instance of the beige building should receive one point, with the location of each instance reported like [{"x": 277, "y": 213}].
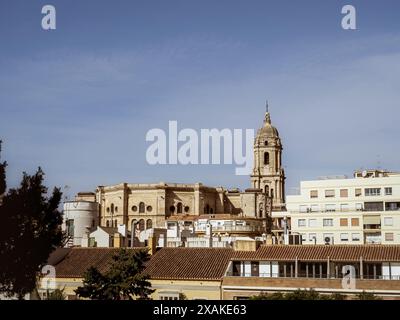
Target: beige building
[
  {"x": 364, "y": 209},
  {"x": 245, "y": 270}
]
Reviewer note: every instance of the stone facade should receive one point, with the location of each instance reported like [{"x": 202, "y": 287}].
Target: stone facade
[{"x": 148, "y": 206}]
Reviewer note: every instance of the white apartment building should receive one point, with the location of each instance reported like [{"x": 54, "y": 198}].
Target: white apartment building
[{"x": 364, "y": 209}]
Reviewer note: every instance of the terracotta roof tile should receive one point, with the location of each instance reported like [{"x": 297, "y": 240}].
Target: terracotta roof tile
[
  {"x": 189, "y": 263},
  {"x": 78, "y": 260},
  {"x": 322, "y": 252}
]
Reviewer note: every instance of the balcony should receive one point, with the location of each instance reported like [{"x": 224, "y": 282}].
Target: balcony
[{"x": 230, "y": 228}]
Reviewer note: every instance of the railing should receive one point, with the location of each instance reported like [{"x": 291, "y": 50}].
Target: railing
[
  {"x": 231, "y": 228},
  {"x": 304, "y": 276}
]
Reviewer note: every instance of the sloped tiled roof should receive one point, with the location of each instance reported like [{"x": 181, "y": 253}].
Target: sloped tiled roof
[
  {"x": 373, "y": 253},
  {"x": 78, "y": 260},
  {"x": 189, "y": 263}
]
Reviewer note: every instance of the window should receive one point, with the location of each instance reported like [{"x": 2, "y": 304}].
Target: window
[
  {"x": 141, "y": 225},
  {"x": 169, "y": 296},
  {"x": 329, "y": 193},
  {"x": 179, "y": 207},
  {"x": 328, "y": 222},
  {"x": 116, "y": 209},
  {"x": 359, "y": 206},
  {"x": 303, "y": 208},
  {"x": 112, "y": 207},
  {"x": 344, "y": 222},
  {"x": 141, "y": 207},
  {"x": 344, "y": 207},
  {"x": 107, "y": 223},
  {"x": 70, "y": 227},
  {"x": 314, "y": 194},
  {"x": 358, "y": 192},
  {"x": 355, "y": 222},
  {"x": 344, "y": 193},
  {"x": 115, "y": 223},
  {"x": 373, "y": 206},
  {"x": 266, "y": 158},
  {"x": 149, "y": 224},
  {"x": 330, "y": 208},
  {"x": 392, "y": 206},
  {"x": 389, "y": 236},
  {"x": 301, "y": 223},
  {"x": 134, "y": 208},
  {"x": 388, "y": 221},
  {"x": 314, "y": 208},
  {"x": 344, "y": 237},
  {"x": 172, "y": 209},
  {"x": 370, "y": 192},
  {"x": 355, "y": 236},
  {"x": 265, "y": 143},
  {"x": 108, "y": 210},
  {"x": 312, "y": 223},
  {"x": 388, "y": 191},
  {"x": 149, "y": 208},
  {"x": 187, "y": 209},
  {"x": 312, "y": 236}
]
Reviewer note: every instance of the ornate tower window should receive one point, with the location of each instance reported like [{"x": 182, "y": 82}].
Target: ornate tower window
[
  {"x": 266, "y": 158},
  {"x": 141, "y": 207}
]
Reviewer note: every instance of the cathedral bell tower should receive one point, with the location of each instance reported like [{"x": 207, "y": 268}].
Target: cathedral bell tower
[{"x": 268, "y": 174}]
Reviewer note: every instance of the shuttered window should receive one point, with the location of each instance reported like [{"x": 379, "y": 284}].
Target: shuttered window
[{"x": 329, "y": 193}]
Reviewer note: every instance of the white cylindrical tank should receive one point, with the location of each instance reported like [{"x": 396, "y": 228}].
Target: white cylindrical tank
[{"x": 79, "y": 217}]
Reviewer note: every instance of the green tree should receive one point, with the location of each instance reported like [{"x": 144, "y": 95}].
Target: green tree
[
  {"x": 57, "y": 294},
  {"x": 298, "y": 295},
  {"x": 3, "y": 184},
  {"x": 271, "y": 296},
  {"x": 29, "y": 232},
  {"x": 367, "y": 296},
  {"x": 124, "y": 279}
]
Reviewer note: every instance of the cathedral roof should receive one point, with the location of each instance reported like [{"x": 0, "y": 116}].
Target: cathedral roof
[{"x": 268, "y": 130}]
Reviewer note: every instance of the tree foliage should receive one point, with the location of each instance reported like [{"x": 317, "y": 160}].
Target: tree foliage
[
  {"x": 29, "y": 232},
  {"x": 57, "y": 294},
  {"x": 124, "y": 279},
  {"x": 298, "y": 295}
]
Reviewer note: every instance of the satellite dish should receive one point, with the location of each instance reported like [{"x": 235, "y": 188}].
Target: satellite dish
[{"x": 364, "y": 173}]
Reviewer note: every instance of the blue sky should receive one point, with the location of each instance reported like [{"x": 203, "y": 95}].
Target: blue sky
[{"x": 79, "y": 100}]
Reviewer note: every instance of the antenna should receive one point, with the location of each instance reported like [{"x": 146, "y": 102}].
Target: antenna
[{"x": 266, "y": 105}]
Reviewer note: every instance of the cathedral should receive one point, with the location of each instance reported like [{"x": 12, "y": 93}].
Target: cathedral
[{"x": 145, "y": 206}]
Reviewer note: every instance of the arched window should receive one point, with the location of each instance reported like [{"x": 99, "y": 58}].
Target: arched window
[
  {"x": 207, "y": 209},
  {"x": 112, "y": 207},
  {"x": 141, "y": 224},
  {"x": 272, "y": 193},
  {"x": 266, "y": 143},
  {"x": 107, "y": 223},
  {"x": 172, "y": 209},
  {"x": 116, "y": 209},
  {"x": 149, "y": 224},
  {"x": 141, "y": 207},
  {"x": 115, "y": 223},
  {"x": 266, "y": 158},
  {"x": 266, "y": 191},
  {"x": 179, "y": 207},
  {"x": 211, "y": 210}
]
